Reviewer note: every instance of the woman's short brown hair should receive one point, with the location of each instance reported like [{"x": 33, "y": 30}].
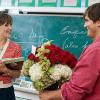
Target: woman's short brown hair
[
  {"x": 93, "y": 12},
  {"x": 5, "y": 18}
]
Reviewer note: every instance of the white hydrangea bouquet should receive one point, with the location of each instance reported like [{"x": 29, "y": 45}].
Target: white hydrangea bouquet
[{"x": 48, "y": 66}]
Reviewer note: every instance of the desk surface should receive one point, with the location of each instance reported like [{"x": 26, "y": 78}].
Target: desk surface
[{"x": 25, "y": 93}]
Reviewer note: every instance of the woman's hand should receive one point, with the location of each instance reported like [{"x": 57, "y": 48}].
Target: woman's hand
[
  {"x": 7, "y": 72},
  {"x": 50, "y": 95},
  {"x": 3, "y": 68}
]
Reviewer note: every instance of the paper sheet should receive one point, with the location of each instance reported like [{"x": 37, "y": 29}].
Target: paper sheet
[
  {"x": 48, "y": 1},
  {"x": 70, "y": 2},
  {"x": 25, "y": 1},
  {"x": 6, "y": 2},
  {"x": 33, "y": 49}
]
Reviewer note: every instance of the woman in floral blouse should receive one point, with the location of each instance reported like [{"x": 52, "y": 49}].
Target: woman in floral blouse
[{"x": 8, "y": 49}]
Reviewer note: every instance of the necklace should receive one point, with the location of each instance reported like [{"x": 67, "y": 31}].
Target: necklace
[{"x": 1, "y": 48}]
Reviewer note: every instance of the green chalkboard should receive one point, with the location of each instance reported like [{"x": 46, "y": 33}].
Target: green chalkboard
[{"x": 66, "y": 31}]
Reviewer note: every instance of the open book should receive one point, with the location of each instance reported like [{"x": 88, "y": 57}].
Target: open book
[{"x": 13, "y": 63}]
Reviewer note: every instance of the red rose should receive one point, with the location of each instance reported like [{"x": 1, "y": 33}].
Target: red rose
[
  {"x": 33, "y": 57},
  {"x": 57, "y": 55}
]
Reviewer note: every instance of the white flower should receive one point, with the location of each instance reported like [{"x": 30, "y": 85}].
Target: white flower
[
  {"x": 66, "y": 71},
  {"x": 55, "y": 73},
  {"x": 35, "y": 72},
  {"x": 59, "y": 71}
]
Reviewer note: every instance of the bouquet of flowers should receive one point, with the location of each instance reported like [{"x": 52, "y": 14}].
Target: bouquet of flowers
[{"x": 49, "y": 65}]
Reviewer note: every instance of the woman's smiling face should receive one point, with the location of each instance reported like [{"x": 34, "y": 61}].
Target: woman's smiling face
[{"x": 5, "y": 30}]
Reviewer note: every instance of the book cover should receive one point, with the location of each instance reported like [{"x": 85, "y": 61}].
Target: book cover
[{"x": 13, "y": 63}]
